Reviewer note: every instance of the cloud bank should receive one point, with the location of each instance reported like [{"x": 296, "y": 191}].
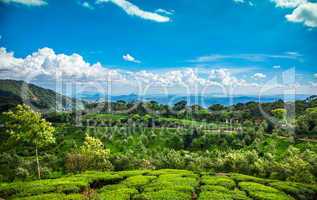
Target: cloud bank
[{"x": 45, "y": 67}]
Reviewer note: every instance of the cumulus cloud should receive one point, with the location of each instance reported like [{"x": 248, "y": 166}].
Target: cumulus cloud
[
  {"x": 46, "y": 63},
  {"x": 86, "y": 4},
  {"x": 134, "y": 10},
  {"x": 305, "y": 13},
  {"x": 130, "y": 58},
  {"x": 45, "y": 67},
  {"x": 27, "y": 2},
  {"x": 259, "y": 76},
  {"x": 288, "y": 3},
  {"x": 224, "y": 77}
]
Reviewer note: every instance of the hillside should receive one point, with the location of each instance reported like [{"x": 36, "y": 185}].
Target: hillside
[{"x": 16, "y": 92}]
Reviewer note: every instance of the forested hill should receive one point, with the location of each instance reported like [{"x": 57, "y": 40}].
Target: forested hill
[{"x": 14, "y": 92}]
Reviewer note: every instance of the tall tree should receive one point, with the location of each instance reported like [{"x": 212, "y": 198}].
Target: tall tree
[{"x": 26, "y": 125}]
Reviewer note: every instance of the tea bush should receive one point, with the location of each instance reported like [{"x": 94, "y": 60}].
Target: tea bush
[
  {"x": 262, "y": 192},
  {"x": 164, "y": 195},
  {"x": 218, "y": 180}
]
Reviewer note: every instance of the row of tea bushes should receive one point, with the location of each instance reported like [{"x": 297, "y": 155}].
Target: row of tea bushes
[{"x": 166, "y": 184}]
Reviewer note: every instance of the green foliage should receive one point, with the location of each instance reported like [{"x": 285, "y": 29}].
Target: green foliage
[
  {"x": 164, "y": 195},
  {"x": 262, "y": 192},
  {"x": 307, "y": 123},
  {"x": 298, "y": 191},
  {"x": 91, "y": 155},
  {"x": 119, "y": 193},
  {"x": 25, "y": 125},
  {"x": 222, "y": 194},
  {"x": 217, "y": 180},
  {"x": 163, "y": 184},
  {"x": 246, "y": 178},
  {"x": 68, "y": 184},
  {"x": 279, "y": 113},
  {"x": 138, "y": 181},
  {"x": 179, "y": 182},
  {"x": 53, "y": 196}
]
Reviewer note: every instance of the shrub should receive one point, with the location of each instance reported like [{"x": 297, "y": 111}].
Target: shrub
[
  {"x": 216, "y": 195},
  {"x": 262, "y": 192},
  {"x": 118, "y": 194},
  {"x": 219, "y": 192},
  {"x": 91, "y": 156},
  {"x": 163, "y": 185},
  {"x": 53, "y": 196},
  {"x": 138, "y": 181},
  {"x": 217, "y": 180},
  {"x": 164, "y": 195},
  {"x": 68, "y": 184},
  {"x": 211, "y": 188},
  {"x": 171, "y": 171},
  {"x": 299, "y": 191},
  {"x": 246, "y": 178},
  {"x": 176, "y": 182},
  {"x": 134, "y": 173}
]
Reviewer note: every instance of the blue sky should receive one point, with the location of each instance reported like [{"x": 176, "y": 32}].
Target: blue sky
[{"x": 251, "y": 40}]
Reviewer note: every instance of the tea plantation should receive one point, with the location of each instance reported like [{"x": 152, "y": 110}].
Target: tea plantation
[{"x": 165, "y": 184}]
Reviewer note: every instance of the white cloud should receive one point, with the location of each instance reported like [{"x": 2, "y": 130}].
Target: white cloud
[
  {"x": 130, "y": 58},
  {"x": 239, "y": 1},
  {"x": 276, "y": 67},
  {"x": 288, "y": 3},
  {"x": 249, "y": 57},
  {"x": 258, "y": 76},
  {"x": 134, "y": 10},
  {"x": 163, "y": 11},
  {"x": 86, "y": 4},
  {"x": 45, "y": 67},
  {"x": 224, "y": 77},
  {"x": 27, "y": 2},
  {"x": 305, "y": 13},
  {"x": 315, "y": 75},
  {"x": 250, "y": 3}
]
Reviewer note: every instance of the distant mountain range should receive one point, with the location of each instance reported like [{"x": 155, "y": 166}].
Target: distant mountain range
[
  {"x": 191, "y": 99},
  {"x": 14, "y": 92}
]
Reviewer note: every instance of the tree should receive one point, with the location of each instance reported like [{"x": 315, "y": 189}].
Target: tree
[
  {"x": 216, "y": 107},
  {"x": 280, "y": 113},
  {"x": 307, "y": 123},
  {"x": 24, "y": 124},
  {"x": 91, "y": 155},
  {"x": 179, "y": 106}
]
